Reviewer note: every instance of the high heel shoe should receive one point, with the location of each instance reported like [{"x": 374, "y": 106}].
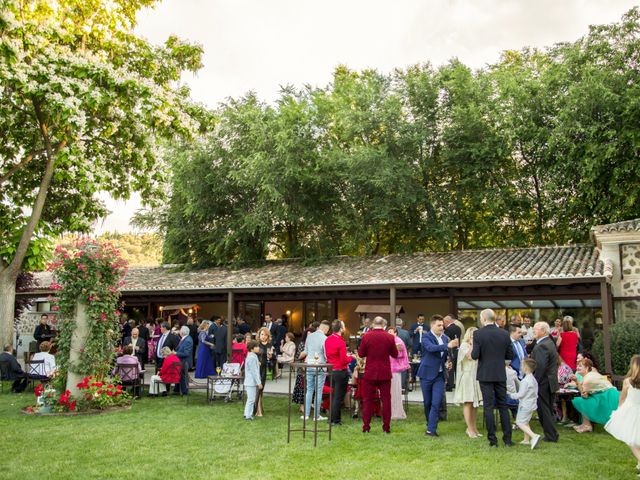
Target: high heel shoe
[{"x": 470, "y": 435}]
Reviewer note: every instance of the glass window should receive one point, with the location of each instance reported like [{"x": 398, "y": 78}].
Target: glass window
[
  {"x": 252, "y": 314},
  {"x": 43, "y": 307},
  {"x": 317, "y": 311}
]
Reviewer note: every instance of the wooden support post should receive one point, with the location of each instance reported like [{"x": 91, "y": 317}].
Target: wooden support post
[
  {"x": 392, "y": 307},
  {"x": 453, "y": 306},
  {"x": 230, "y": 315},
  {"x": 607, "y": 321}
]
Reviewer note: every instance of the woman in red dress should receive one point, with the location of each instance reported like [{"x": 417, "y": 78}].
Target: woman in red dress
[{"x": 568, "y": 343}]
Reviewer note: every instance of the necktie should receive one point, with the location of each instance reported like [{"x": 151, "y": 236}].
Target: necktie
[
  {"x": 518, "y": 348},
  {"x": 161, "y": 344}
]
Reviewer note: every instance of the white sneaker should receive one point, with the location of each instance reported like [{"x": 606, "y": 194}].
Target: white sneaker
[
  {"x": 534, "y": 441},
  {"x": 320, "y": 418},
  {"x": 302, "y": 417}
]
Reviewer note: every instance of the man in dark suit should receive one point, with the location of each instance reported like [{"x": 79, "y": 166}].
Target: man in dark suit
[
  {"x": 491, "y": 347},
  {"x": 193, "y": 333},
  {"x": 270, "y": 324},
  {"x": 519, "y": 349},
  {"x": 278, "y": 338},
  {"x": 377, "y": 346},
  {"x": 243, "y": 327},
  {"x": 184, "y": 352},
  {"x": 415, "y": 332},
  {"x": 432, "y": 371},
  {"x": 546, "y": 356},
  {"x": 167, "y": 339},
  {"x": 452, "y": 331},
  {"x": 43, "y": 332},
  {"x": 220, "y": 340},
  {"x": 14, "y": 370},
  {"x": 138, "y": 344},
  {"x": 215, "y": 322}
]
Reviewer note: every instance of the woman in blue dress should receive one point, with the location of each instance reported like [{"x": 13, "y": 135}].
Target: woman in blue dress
[{"x": 204, "y": 358}]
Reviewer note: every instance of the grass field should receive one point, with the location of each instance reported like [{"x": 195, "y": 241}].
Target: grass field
[{"x": 167, "y": 438}]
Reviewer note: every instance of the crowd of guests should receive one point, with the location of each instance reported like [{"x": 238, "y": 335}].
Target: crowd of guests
[{"x": 520, "y": 369}]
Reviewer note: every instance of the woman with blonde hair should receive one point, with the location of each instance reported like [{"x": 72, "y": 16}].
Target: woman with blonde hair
[
  {"x": 467, "y": 388},
  {"x": 625, "y": 421},
  {"x": 265, "y": 355}
]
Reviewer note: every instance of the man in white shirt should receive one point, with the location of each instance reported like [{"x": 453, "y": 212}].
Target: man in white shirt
[{"x": 527, "y": 330}]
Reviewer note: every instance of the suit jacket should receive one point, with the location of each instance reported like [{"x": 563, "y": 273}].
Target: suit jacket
[
  {"x": 491, "y": 347},
  {"x": 433, "y": 359},
  {"x": 377, "y": 346},
  {"x": 415, "y": 337},
  {"x": 252, "y": 371},
  {"x": 185, "y": 351},
  {"x": 281, "y": 331},
  {"x": 142, "y": 348},
  {"x": 405, "y": 336},
  {"x": 516, "y": 362},
  {"x": 546, "y": 357},
  {"x": 212, "y": 329},
  {"x": 220, "y": 339},
  {"x": 15, "y": 370}
]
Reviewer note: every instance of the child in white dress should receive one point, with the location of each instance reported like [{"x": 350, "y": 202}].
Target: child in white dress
[
  {"x": 625, "y": 421},
  {"x": 527, "y": 395}
]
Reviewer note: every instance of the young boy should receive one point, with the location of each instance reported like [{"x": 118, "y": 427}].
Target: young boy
[
  {"x": 528, "y": 398},
  {"x": 252, "y": 381}
]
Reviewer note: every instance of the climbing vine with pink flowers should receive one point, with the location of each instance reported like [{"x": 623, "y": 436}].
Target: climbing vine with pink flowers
[{"x": 91, "y": 273}]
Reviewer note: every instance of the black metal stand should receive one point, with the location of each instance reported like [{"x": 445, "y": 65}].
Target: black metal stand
[{"x": 327, "y": 367}]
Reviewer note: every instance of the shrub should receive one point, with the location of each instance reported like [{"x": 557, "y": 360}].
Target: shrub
[{"x": 625, "y": 342}]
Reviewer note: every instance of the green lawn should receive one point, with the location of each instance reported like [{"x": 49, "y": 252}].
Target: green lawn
[{"x": 167, "y": 438}]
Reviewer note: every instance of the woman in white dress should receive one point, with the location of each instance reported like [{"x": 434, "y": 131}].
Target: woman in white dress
[
  {"x": 45, "y": 370},
  {"x": 625, "y": 421},
  {"x": 467, "y": 390}
]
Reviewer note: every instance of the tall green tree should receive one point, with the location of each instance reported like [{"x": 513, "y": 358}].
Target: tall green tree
[
  {"x": 83, "y": 101},
  {"x": 596, "y": 137}
]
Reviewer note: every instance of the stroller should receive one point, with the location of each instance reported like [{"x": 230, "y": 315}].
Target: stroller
[{"x": 231, "y": 382}]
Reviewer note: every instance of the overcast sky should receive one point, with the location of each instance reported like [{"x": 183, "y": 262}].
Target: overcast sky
[{"x": 260, "y": 45}]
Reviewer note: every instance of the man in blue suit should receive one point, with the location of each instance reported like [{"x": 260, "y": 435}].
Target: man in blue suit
[
  {"x": 184, "y": 351},
  {"x": 435, "y": 351},
  {"x": 519, "y": 349}
]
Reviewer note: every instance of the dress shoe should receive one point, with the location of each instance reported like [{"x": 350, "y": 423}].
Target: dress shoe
[
  {"x": 431, "y": 434},
  {"x": 534, "y": 441},
  {"x": 509, "y": 444},
  {"x": 365, "y": 431},
  {"x": 545, "y": 439},
  {"x": 387, "y": 432},
  {"x": 336, "y": 424},
  {"x": 493, "y": 445}
]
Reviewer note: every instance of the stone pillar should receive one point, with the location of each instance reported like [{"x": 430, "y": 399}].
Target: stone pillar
[{"x": 78, "y": 341}]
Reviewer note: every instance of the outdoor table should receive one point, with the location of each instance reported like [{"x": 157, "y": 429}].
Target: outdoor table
[
  {"x": 230, "y": 379},
  {"x": 292, "y": 375},
  {"x": 568, "y": 394}
]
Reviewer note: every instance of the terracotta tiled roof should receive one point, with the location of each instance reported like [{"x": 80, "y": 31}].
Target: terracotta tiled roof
[
  {"x": 626, "y": 226},
  {"x": 502, "y": 265}
]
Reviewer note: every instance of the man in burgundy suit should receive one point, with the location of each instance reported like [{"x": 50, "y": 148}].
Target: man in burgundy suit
[{"x": 377, "y": 346}]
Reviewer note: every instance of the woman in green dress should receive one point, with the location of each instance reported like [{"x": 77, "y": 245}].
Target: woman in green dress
[{"x": 598, "y": 397}]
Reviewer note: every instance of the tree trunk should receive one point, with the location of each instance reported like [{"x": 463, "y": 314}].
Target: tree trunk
[
  {"x": 78, "y": 341},
  {"x": 7, "y": 306}
]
